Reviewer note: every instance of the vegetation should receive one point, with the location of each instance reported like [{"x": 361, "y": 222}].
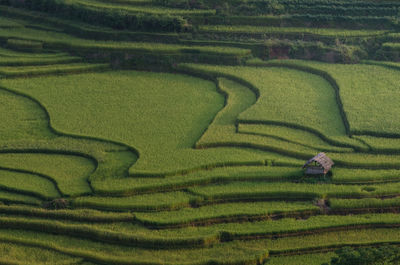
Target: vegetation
[
  {"x": 382, "y": 255},
  {"x": 172, "y": 132}
]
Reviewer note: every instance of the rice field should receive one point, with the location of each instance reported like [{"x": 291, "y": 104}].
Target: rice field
[{"x": 176, "y": 149}]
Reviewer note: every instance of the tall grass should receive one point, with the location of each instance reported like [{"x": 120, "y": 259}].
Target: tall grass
[
  {"x": 342, "y": 175},
  {"x": 222, "y": 213},
  {"x": 376, "y": 87},
  {"x": 56, "y": 40},
  {"x": 124, "y": 186},
  {"x": 12, "y": 197},
  {"x": 21, "y": 254},
  {"x": 309, "y": 259},
  {"x": 9, "y": 71},
  {"x": 189, "y": 103},
  {"x": 12, "y": 61},
  {"x": 70, "y": 173},
  {"x": 230, "y": 253},
  {"x": 28, "y": 184},
  {"x": 271, "y": 84},
  {"x": 369, "y": 203},
  {"x": 238, "y": 191},
  {"x": 323, "y": 32},
  {"x": 148, "y": 202}
]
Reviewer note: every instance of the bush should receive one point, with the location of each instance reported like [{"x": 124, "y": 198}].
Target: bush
[{"x": 367, "y": 256}]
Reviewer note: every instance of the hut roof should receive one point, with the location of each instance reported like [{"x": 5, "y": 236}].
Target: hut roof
[{"x": 323, "y": 160}]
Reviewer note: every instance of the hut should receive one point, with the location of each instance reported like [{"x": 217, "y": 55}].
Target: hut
[{"x": 318, "y": 165}]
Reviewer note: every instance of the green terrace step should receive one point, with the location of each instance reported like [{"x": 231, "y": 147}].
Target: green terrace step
[
  {"x": 32, "y": 61},
  {"x": 51, "y": 69}
]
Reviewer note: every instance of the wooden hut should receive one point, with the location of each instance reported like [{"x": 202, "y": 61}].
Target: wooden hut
[{"x": 318, "y": 165}]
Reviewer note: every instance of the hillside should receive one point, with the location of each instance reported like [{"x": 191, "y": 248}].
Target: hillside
[{"x": 174, "y": 132}]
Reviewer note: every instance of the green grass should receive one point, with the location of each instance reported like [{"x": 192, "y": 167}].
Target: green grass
[
  {"x": 287, "y": 134},
  {"x": 27, "y": 128},
  {"x": 227, "y": 252},
  {"x": 221, "y": 212},
  {"x": 338, "y": 204},
  {"x": 7, "y": 53},
  {"x": 365, "y": 85},
  {"x": 142, "y": 9},
  {"x": 164, "y": 144},
  {"x": 329, "y": 32},
  {"x": 127, "y": 186},
  {"x": 147, "y": 202},
  {"x": 16, "y": 61},
  {"x": 25, "y": 121},
  {"x": 285, "y": 227},
  {"x": 69, "y": 172},
  {"x": 237, "y": 99},
  {"x": 25, "y": 45},
  {"x": 309, "y": 259},
  {"x": 28, "y": 184},
  {"x": 80, "y": 215},
  {"x": 366, "y": 160},
  {"x": 310, "y": 95},
  {"x": 344, "y": 175},
  {"x": 332, "y": 239},
  {"x": 11, "y": 197},
  {"x": 394, "y": 65},
  {"x": 10, "y": 71},
  {"x": 391, "y": 45},
  {"x": 107, "y": 253},
  {"x": 21, "y": 254},
  {"x": 225, "y": 151},
  {"x": 264, "y": 190},
  {"x": 223, "y": 129},
  {"x": 63, "y": 41},
  {"x": 389, "y": 145},
  {"x": 9, "y": 23}
]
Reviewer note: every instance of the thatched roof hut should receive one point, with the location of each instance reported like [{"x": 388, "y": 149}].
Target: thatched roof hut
[{"x": 318, "y": 165}]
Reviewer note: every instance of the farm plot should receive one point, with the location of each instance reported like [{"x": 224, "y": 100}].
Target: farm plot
[
  {"x": 189, "y": 104},
  {"x": 360, "y": 86},
  {"x": 142, "y": 9},
  {"x": 305, "y": 94},
  {"x": 201, "y": 165},
  {"x": 264, "y": 32},
  {"x": 70, "y": 173},
  {"x": 321, "y": 111}
]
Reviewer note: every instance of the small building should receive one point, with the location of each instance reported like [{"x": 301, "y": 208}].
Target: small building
[{"x": 318, "y": 165}]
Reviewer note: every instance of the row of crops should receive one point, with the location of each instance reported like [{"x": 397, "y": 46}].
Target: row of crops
[{"x": 200, "y": 161}]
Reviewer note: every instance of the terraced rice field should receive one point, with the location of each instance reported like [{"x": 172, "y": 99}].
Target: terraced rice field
[{"x": 121, "y": 143}]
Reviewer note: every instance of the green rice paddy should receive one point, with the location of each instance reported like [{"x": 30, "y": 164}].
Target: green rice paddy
[{"x": 121, "y": 146}]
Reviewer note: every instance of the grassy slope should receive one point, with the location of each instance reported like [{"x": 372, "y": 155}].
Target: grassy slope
[
  {"x": 20, "y": 254},
  {"x": 29, "y": 184},
  {"x": 189, "y": 103},
  {"x": 64, "y": 100},
  {"x": 365, "y": 85},
  {"x": 307, "y": 97},
  {"x": 69, "y": 172},
  {"x": 294, "y": 30}
]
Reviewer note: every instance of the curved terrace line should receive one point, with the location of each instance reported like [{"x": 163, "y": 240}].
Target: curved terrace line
[
  {"x": 103, "y": 259},
  {"x": 35, "y": 174},
  {"x": 289, "y": 141},
  {"x": 60, "y": 133},
  {"x": 91, "y": 256},
  {"x": 143, "y": 242},
  {"x": 36, "y": 195},
  {"x": 213, "y": 76},
  {"x": 321, "y": 74}
]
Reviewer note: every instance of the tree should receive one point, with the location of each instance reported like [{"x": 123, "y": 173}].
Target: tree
[{"x": 384, "y": 255}]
